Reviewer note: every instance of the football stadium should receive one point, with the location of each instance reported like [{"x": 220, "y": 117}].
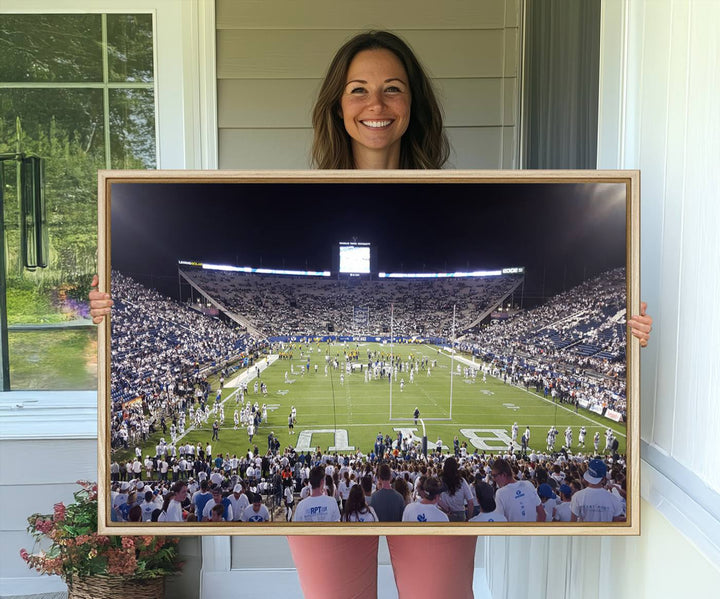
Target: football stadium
[{"x": 354, "y": 356}]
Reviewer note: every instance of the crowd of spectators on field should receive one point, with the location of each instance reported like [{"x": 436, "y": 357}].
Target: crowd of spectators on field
[
  {"x": 395, "y": 486},
  {"x": 572, "y": 347},
  {"x": 161, "y": 353},
  {"x": 298, "y": 305}
]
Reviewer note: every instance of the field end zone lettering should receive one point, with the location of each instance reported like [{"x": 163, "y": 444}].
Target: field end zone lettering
[
  {"x": 410, "y": 432},
  {"x": 304, "y": 442},
  {"x": 497, "y": 436}
]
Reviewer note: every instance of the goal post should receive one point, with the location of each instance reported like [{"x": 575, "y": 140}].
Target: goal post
[{"x": 394, "y": 416}]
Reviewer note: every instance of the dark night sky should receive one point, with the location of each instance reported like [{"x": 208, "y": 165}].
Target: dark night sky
[{"x": 560, "y": 232}]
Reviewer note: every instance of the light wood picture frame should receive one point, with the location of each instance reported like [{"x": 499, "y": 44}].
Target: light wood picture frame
[{"x": 568, "y": 240}]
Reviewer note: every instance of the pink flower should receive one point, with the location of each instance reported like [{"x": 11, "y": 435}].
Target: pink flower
[
  {"x": 128, "y": 543},
  {"x": 59, "y": 512},
  {"x": 121, "y": 562},
  {"x": 44, "y": 526},
  {"x": 24, "y": 555}
]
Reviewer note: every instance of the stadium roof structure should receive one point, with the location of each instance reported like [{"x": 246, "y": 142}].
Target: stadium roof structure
[
  {"x": 261, "y": 271},
  {"x": 382, "y": 275},
  {"x": 452, "y": 275}
]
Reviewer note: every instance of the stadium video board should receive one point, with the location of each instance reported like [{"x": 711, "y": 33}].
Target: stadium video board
[
  {"x": 486, "y": 367},
  {"x": 354, "y": 258}
]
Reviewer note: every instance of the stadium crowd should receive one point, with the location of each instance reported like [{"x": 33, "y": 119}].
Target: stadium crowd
[
  {"x": 299, "y": 305},
  {"x": 398, "y": 485},
  {"x": 161, "y": 354},
  {"x": 571, "y": 348}
]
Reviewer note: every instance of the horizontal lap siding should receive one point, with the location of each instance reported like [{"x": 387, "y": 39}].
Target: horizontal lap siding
[
  {"x": 271, "y": 58},
  {"x": 273, "y": 54},
  {"x": 351, "y": 14},
  {"x": 35, "y": 475},
  {"x": 287, "y": 103}
]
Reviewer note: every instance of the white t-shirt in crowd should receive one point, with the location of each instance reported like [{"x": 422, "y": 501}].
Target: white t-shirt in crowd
[
  {"x": 238, "y": 505},
  {"x": 317, "y": 509},
  {"x": 595, "y": 505},
  {"x": 424, "y": 512},
  {"x": 369, "y": 516},
  {"x": 496, "y": 516},
  {"x": 518, "y": 501},
  {"x": 562, "y": 512},
  {"x": 250, "y": 515}
]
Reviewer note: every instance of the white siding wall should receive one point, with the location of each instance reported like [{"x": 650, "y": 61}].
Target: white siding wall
[
  {"x": 271, "y": 57},
  {"x": 670, "y": 129},
  {"x": 46, "y": 445},
  {"x": 659, "y": 86}
]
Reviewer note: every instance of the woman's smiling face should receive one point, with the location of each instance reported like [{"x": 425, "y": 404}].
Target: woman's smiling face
[{"x": 375, "y": 105}]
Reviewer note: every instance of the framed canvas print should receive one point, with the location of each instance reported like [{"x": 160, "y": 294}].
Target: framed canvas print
[{"x": 367, "y": 352}]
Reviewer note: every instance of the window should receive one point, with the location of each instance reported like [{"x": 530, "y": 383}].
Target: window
[{"x": 77, "y": 90}]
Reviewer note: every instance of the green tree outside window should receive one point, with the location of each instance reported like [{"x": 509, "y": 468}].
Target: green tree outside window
[{"x": 78, "y": 91}]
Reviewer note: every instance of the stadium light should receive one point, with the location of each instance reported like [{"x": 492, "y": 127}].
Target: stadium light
[
  {"x": 450, "y": 275},
  {"x": 249, "y": 269}
]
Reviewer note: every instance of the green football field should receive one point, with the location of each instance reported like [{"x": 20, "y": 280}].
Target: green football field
[{"x": 347, "y": 415}]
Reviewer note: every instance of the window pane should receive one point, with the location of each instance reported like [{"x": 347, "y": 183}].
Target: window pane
[
  {"x": 51, "y": 118},
  {"x": 132, "y": 128},
  {"x": 130, "y": 47},
  {"x": 37, "y": 48},
  {"x": 52, "y": 341},
  {"x": 65, "y": 128},
  {"x": 55, "y": 359}
]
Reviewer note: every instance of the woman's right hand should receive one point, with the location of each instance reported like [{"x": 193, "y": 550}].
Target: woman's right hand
[{"x": 99, "y": 302}]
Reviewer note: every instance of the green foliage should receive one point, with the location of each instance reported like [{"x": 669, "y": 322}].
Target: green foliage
[
  {"x": 54, "y": 358},
  {"x": 50, "y": 47},
  {"x": 71, "y": 198},
  {"x": 66, "y": 127},
  {"x": 77, "y": 550},
  {"x": 28, "y": 303}
]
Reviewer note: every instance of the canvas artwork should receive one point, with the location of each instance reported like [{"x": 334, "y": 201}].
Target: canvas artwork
[{"x": 369, "y": 353}]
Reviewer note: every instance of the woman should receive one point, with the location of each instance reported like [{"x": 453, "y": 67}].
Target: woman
[
  {"x": 377, "y": 110},
  {"x": 401, "y": 486},
  {"x": 362, "y": 119},
  {"x": 344, "y": 487},
  {"x": 457, "y": 499},
  {"x": 216, "y": 513},
  {"x": 356, "y": 509},
  {"x": 162, "y": 516},
  {"x": 331, "y": 489},
  {"x": 486, "y": 501}
]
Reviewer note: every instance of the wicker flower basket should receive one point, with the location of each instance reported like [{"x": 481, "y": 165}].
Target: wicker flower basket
[{"x": 116, "y": 587}]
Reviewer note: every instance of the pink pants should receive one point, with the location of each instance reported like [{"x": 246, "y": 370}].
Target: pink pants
[{"x": 346, "y": 567}]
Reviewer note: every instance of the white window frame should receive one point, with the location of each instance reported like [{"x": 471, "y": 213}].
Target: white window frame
[
  {"x": 186, "y": 138},
  {"x": 185, "y": 80}
]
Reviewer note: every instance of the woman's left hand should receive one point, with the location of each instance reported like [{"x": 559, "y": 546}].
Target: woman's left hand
[
  {"x": 641, "y": 325},
  {"x": 99, "y": 302}
]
